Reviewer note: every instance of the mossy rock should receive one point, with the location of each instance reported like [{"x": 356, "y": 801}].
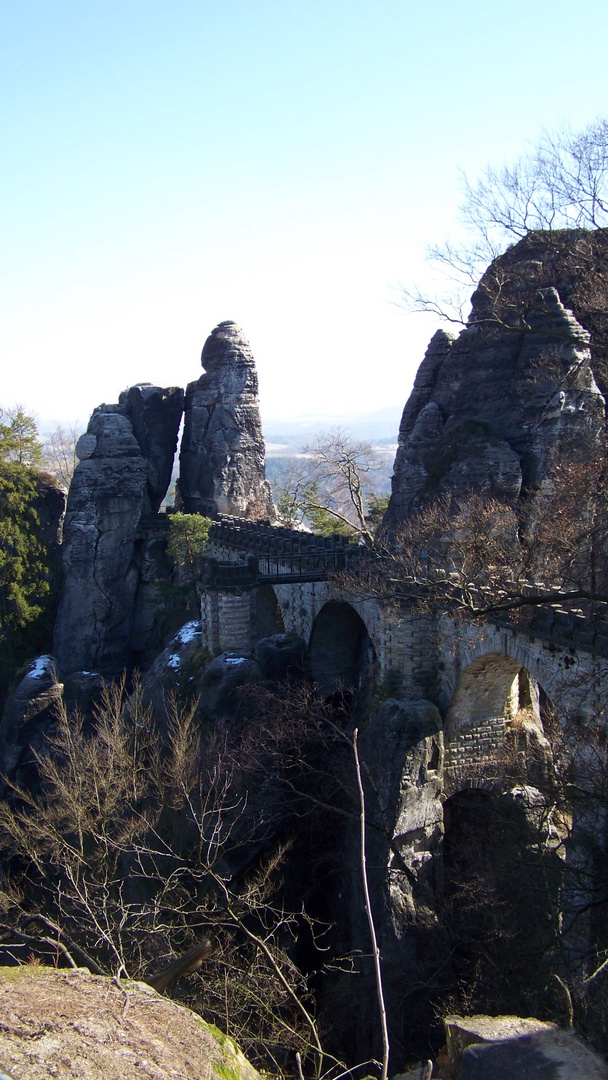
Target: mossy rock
[{"x": 69, "y": 1023}]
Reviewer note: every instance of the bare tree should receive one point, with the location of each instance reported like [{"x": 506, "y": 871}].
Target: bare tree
[
  {"x": 336, "y": 487},
  {"x": 559, "y": 183},
  {"x": 369, "y": 913},
  {"x": 134, "y": 849},
  {"x": 59, "y": 453},
  {"x": 474, "y": 554}
]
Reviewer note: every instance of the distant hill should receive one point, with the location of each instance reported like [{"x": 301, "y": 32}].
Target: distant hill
[{"x": 286, "y": 437}]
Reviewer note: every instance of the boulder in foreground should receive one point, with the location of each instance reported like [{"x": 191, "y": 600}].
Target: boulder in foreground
[
  {"x": 512, "y": 1048},
  {"x": 69, "y": 1023}
]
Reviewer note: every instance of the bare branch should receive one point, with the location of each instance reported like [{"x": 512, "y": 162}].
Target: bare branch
[
  {"x": 370, "y": 917},
  {"x": 560, "y": 183}
]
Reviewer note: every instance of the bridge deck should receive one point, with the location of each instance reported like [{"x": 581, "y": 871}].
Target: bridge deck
[{"x": 274, "y": 555}]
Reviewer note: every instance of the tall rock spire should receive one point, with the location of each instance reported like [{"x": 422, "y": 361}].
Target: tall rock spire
[
  {"x": 222, "y": 460},
  {"x": 493, "y": 409},
  {"x": 111, "y": 552}
]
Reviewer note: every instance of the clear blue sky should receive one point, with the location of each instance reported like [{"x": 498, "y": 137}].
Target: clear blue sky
[{"x": 169, "y": 165}]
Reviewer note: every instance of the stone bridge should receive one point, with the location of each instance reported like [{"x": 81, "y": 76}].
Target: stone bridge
[
  {"x": 456, "y": 702},
  {"x": 492, "y": 684},
  {"x": 259, "y": 579}
]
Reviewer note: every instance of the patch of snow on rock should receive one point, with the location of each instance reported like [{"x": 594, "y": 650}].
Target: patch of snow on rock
[
  {"x": 39, "y": 667},
  {"x": 188, "y": 632},
  {"x": 234, "y": 659},
  {"x": 173, "y": 661}
]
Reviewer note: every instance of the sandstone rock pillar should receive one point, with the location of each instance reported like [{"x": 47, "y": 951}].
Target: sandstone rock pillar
[
  {"x": 222, "y": 460},
  {"x": 493, "y": 409},
  {"x": 125, "y": 465}
]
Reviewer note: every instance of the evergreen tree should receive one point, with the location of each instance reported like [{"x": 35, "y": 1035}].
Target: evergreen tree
[
  {"x": 19, "y": 441},
  {"x": 188, "y": 535},
  {"x": 24, "y": 567}
]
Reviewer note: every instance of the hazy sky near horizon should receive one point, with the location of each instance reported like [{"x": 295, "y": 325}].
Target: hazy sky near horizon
[{"x": 168, "y": 166}]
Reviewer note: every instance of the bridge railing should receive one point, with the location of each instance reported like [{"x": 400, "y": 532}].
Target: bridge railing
[
  {"x": 284, "y": 554},
  {"x": 576, "y": 629},
  {"x": 307, "y": 566},
  {"x": 274, "y": 570},
  {"x": 274, "y": 554}
]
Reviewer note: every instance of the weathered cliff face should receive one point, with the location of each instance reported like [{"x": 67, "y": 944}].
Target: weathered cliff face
[
  {"x": 109, "y": 539},
  {"x": 29, "y": 712},
  {"x": 401, "y": 750},
  {"x": 114, "y": 539},
  {"x": 155, "y": 416},
  {"x": 493, "y": 408},
  {"x": 222, "y": 459}
]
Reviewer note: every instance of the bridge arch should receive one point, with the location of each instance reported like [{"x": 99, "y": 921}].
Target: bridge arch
[
  {"x": 573, "y": 680},
  {"x": 340, "y": 653},
  {"x": 266, "y": 614},
  {"x": 495, "y": 708},
  {"x": 501, "y": 862}
]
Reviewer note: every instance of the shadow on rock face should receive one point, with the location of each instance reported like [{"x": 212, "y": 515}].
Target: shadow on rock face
[
  {"x": 29, "y": 712},
  {"x": 185, "y": 673},
  {"x": 174, "y": 675},
  {"x": 83, "y": 691}
]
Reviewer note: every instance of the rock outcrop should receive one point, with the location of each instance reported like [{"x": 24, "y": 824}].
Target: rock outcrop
[
  {"x": 502, "y": 1047},
  {"x": 110, "y": 541},
  {"x": 222, "y": 459},
  {"x": 114, "y": 541},
  {"x": 28, "y": 714},
  {"x": 492, "y": 409},
  {"x": 155, "y": 416},
  {"x": 175, "y": 673},
  {"x": 71, "y": 1023},
  {"x": 402, "y": 750},
  {"x": 281, "y": 655}
]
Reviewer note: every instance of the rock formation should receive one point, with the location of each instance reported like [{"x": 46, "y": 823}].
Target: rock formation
[
  {"x": 72, "y": 1023},
  {"x": 493, "y": 408},
  {"x": 29, "y": 712},
  {"x": 222, "y": 460},
  {"x": 155, "y": 416},
  {"x": 114, "y": 538},
  {"x": 110, "y": 547},
  {"x": 497, "y": 1047}
]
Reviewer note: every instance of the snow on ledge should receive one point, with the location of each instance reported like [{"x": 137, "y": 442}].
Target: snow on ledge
[
  {"x": 188, "y": 632},
  {"x": 40, "y": 667}
]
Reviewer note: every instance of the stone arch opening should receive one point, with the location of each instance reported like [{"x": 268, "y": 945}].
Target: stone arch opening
[
  {"x": 499, "y": 902},
  {"x": 341, "y": 653},
  {"x": 267, "y": 617},
  {"x": 497, "y": 707}
]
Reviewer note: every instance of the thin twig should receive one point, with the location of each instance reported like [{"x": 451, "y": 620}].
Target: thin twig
[
  {"x": 370, "y": 917},
  {"x": 566, "y": 990}
]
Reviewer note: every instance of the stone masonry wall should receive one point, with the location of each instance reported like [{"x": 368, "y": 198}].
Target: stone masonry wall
[
  {"x": 475, "y": 747},
  {"x": 226, "y": 621},
  {"x": 575, "y": 681}
]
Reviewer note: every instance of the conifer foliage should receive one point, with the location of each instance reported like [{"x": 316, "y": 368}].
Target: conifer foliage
[{"x": 24, "y": 567}]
